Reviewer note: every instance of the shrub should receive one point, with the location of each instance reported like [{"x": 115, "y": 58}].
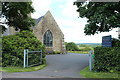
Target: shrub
[
  {"x": 71, "y": 47},
  {"x": 14, "y": 45},
  {"x": 54, "y": 52},
  {"x": 107, "y": 59},
  {"x": 115, "y": 42}
]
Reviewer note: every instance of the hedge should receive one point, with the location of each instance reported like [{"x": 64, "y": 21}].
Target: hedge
[
  {"x": 14, "y": 45},
  {"x": 115, "y": 42},
  {"x": 107, "y": 59}
]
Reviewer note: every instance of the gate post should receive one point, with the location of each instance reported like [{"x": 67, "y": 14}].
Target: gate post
[
  {"x": 90, "y": 60},
  {"x": 24, "y": 58},
  {"x": 40, "y": 56}
]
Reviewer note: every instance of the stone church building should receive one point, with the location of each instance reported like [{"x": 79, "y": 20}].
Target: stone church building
[{"x": 48, "y": 32}]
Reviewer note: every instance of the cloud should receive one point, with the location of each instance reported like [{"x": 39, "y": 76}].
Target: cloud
[
  {"x": 64, "y": 22},
  {"x": 41, "y": 7},
  {"x": 69, "y": 10}
]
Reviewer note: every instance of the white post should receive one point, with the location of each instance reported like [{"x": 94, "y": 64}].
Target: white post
[
  {"x": 90, "y": 60},
  {"x": 41, "y": 57},
  {"x": 24, "y": 58}
]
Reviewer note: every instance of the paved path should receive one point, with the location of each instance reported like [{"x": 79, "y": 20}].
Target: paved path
[{"x": 59, "y": 66}]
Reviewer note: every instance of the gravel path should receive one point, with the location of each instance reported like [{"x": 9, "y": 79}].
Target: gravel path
[{"x": 59, "y": 66}]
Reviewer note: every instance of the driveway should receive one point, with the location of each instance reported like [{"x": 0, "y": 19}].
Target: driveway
[{"x": 59, "y": 66}]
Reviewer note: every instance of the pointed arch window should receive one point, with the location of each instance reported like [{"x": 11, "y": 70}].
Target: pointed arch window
[{"x": 48, "y": 39}]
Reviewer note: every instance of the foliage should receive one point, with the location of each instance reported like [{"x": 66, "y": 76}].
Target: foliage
[
  {"x": 107, "y": 59},
  {"x": 115, "y": 42},
  {"x": 2, "y": 29},
  {"x": 91, "y": 74},
  {"x": 56, "y": 52},
  {"x": 16, "y": 14},
  {"x": 14, "y": 45},
  {"x": 102, "y": 16},
  {"x": 71, "y": 46}
]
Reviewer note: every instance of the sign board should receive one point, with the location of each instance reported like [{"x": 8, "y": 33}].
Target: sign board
[{"x": 107, "y": 41}]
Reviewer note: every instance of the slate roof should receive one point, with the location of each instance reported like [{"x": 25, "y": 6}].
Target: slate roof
[{"x": 38, "y": 20}]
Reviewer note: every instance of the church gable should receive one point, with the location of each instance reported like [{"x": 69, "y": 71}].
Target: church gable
[
  {"x": 48, "y": 21},
  {"x": 48, "y": 31},
  {"x": 51, "y": 21}
]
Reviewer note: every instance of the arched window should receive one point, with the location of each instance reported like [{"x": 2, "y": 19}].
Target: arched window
[{"x": 48, "y": 39}]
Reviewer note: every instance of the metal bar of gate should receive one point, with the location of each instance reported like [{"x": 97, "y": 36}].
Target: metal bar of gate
[
  {"x": 27, "y": 57},
  {"x": 24, "y": 58},
  {"x": 41, "y": 57}
]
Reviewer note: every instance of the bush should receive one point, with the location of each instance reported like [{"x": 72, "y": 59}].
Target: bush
[
  {"x": 54, "y": 52},
  {"x": 107, "y": 59},
  {"x": 115, "y": 42},
  {"x": 14, "y": 45},
  {"x": 71, "y": 47}
]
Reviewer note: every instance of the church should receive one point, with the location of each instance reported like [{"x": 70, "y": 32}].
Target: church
[{"x": 48, "y": 32}]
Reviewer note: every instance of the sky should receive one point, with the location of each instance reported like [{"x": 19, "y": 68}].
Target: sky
[{"x": 72, "y": 26}]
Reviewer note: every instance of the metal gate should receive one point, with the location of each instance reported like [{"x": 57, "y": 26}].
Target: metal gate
[{"x": 26, "y": 58}]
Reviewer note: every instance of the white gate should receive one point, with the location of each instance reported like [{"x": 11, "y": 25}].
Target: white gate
[{"x": 26, "y": 60}]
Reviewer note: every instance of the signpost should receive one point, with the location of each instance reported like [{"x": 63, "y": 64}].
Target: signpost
[{"x": 107, "y": 41}]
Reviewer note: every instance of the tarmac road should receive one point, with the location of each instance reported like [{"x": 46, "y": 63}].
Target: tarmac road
[{"x": 59, "y": 66}]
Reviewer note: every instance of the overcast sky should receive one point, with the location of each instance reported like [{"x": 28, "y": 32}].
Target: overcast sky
[{"x": 64, "y": 12}]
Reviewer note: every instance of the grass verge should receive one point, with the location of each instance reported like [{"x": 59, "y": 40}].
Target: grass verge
[
  {"x": 90, "y": 74},
  {"x": 19, "y": 69},
  {"x": 79, "y": 52}
]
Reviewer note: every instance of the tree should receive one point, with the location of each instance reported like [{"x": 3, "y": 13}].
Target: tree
[
  {"x": 16, "y": 15},
  {"x": 102, "y": 16},
  {"x": 71, "y": 46}
]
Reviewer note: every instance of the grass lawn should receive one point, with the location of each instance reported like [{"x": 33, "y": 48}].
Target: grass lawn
[
  {"x": 19, "y": 69},
  {"x": 79, "y": 52},
  {"x": 90, "y": 74}
]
